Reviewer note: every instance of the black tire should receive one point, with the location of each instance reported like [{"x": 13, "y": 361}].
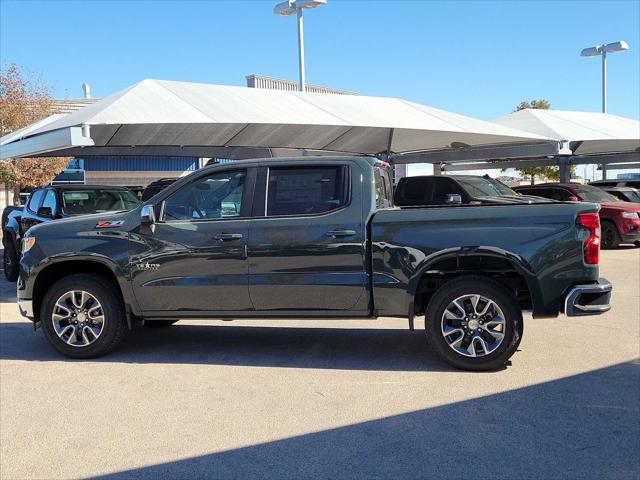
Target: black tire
[
  {"x": 610, "y": 236},
  {"x": 10, "y": 260},
  {"x": 490, "y": 289},
  {"x": 115, "y": 323},
  {"x": 159, "y": 323}
]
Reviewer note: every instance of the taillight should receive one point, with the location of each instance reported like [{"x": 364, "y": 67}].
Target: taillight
[{"x": 591, "y": 221}]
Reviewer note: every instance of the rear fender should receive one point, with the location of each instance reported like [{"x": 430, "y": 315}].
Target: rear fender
[{"x": 517, "y": 262}]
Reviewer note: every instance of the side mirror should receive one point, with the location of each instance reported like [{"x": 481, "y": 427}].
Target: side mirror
[
  {"x": 147, "y": 215},
  {"x": 45, "y": 212},
  {"x": 452, "y": 199}
]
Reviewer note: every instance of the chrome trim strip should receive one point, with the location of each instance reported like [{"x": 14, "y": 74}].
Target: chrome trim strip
[{"x": 574, "y": 309}]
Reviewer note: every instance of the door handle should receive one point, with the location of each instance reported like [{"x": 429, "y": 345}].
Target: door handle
[
  {"x": 223, "y": 237},
  {"x": 341, "y": 233}
]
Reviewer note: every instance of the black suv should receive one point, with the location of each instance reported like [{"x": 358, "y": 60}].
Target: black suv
[{"x": 54, "y": 202}]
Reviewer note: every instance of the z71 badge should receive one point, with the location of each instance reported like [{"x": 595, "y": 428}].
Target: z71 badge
[{"x": 109, "y": 223}]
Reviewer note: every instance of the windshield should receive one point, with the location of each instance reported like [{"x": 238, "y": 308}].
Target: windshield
[
  {"x": 94, "y": 200},
  {"x": 485, "y": 187},
  {"x": 594, "y": 194}
]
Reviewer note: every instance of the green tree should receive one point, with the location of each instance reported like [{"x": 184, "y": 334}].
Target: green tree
[{"x": 537, "y": 104}]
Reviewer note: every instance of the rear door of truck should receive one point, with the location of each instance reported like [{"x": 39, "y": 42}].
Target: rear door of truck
[{"x": 307, "y": 239}]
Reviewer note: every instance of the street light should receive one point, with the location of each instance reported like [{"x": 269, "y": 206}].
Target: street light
[
  {"x": 602, "y": 50},
  {"x": 297, "y": 6}
]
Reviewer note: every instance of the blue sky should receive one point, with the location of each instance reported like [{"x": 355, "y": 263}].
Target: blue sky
[{"x": 475, "y": 58}]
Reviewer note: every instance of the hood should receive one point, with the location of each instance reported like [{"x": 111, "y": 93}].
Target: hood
[
  {"x": 82, "y": 223},
  {"x": 621, "y": 206}
]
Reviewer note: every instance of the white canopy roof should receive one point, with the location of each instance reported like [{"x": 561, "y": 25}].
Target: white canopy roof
[
  {"x": 155, "y": 115},
  {"x": 587, "y": 132}
]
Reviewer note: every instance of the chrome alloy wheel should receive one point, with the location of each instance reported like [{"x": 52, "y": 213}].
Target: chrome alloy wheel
[
  {"x": 78, "y": 318},
  {"x": 473, "y": 325}
]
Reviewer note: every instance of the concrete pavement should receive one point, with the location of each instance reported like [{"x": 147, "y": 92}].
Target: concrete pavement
[{"x": 326, "y": 399}]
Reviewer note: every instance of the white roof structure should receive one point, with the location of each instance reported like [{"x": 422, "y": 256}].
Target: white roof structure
[
  {"x": 588, "y": 133},
  {"x": 196, "y": 119}
]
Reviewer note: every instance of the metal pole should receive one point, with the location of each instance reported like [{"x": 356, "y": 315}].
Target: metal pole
[
  {"x": 301, "y": 49},
  {"x": 604, "y": 82}
]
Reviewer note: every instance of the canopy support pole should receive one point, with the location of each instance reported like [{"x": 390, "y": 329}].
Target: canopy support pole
[{"x": 564, "y": 162}]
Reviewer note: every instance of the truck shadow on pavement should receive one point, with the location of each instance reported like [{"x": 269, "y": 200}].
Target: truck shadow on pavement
[
  {"x": 580, "y": 427},
  {"x": 326, "y": 348}
]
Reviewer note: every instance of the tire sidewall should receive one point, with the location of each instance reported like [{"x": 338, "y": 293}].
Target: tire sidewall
[
  {"x": 10, "y": 271},
  {"x": 112, "y": 309},
  {"x": 489, "y": 289},
  {"x": 608, "y": 226}
]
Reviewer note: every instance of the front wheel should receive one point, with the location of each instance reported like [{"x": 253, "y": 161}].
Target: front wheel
[
  {"x": 10, "y": 261},
  {"x": 83, "y": 316},
  {"x": 474, "y": 323},
  {"x": 610, "y": 236}
]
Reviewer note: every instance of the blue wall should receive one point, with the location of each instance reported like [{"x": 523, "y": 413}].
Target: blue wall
[{"x": 133, "y": 164}]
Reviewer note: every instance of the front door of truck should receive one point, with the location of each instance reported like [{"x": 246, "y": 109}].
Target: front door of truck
[
  {"x": 307, "y": 242},
  {"x": 195, "y": 259}
]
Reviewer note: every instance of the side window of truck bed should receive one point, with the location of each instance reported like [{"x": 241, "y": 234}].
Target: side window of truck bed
[{"x": 307, "y": 190}]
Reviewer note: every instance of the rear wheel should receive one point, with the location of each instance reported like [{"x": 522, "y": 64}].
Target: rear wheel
[
  {"x": 10, "y": 260},
  {"x": 610, "y": 236},
  {"x": 474, "y": 323},
  {"x": 83, "y": 316}
]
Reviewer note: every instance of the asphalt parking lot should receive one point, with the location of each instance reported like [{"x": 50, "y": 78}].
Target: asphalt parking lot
[{"x": 326, "y": 399}]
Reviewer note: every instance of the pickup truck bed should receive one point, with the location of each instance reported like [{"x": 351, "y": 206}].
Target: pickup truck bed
[{"x": 310, "y": 238}]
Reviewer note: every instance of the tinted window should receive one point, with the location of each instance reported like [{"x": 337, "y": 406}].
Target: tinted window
[
  {"x": 95, "y": 200},
  {"x": 538, "y": 192},
  {"x": 34, "y": 201},
  {"x": 594, "y": 194},
  {"x": 484, "y": 187},
  {"x": 306, "y": 190},
  {"x": 561, "y": 194},
  {"x": 443, "y": 187},
  {"x": 50, "y": 201},
  {"x": 414, "y": 191},
  {"x": 212, "y": 197}
]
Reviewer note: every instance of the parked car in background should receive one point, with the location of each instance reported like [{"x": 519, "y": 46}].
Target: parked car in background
[
  {"x": 616, "y": 183},
  {"x": 626, "y": 194},
  {"x": 137, "y": 190},
  {"x": 307, "y": 238},
  {"x": 451, "y": 189},
  {"x": 620, "y": 220},
  {"x": 54, "y": 202},
  {"x": 156, "y": 187}
]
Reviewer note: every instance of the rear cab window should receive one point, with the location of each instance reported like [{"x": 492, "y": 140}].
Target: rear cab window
[{"x": 307, "y": 190}]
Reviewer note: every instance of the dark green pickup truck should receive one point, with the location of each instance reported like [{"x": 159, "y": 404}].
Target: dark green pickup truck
[{"x": 312, "y": 238}]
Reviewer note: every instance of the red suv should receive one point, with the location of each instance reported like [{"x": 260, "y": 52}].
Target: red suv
[{"x": 620, "y": 220}]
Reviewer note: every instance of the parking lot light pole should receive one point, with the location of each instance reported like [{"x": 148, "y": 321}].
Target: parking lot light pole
[
  {"x": 297, "y": 6},
  {"x": 602, "y": 50}
]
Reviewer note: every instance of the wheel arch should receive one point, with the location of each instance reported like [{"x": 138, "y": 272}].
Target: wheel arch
[
  {"x": 62, "y": 268},
  {"x": 509, "y": 269}
]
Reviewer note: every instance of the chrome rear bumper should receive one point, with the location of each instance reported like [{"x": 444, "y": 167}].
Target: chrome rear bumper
[{"x": 591, "y": 299}]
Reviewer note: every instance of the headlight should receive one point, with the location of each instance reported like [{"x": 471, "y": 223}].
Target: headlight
[
  {"x": 630, "y": 214},
  {"x": 27, "y": 243}
]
